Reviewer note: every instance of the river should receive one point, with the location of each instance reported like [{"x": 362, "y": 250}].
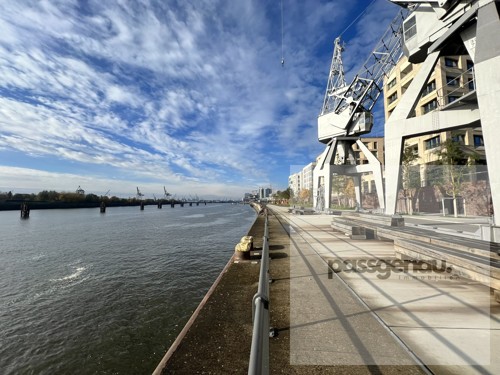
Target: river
[{"x": 88, "y": 293}]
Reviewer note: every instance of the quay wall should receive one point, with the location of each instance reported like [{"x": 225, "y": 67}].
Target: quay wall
[{"x": 219, "y": 331}]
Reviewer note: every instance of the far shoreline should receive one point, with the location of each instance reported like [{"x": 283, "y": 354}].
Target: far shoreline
[{"x": 15, "y": 205}]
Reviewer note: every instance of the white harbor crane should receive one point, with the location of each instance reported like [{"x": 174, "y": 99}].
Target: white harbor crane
[{"x": 346, "y": 115}]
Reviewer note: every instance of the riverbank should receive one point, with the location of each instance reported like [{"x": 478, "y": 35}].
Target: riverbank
[
  {"x": 218, "y": 336},
  {"x": 43, "y": 205}
]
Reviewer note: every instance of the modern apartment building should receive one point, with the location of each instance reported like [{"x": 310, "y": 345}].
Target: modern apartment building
[
  {"x": 450, "y": 84},
  {"x": 302, "y": 180},
  {"x": 294, "y": 183}
]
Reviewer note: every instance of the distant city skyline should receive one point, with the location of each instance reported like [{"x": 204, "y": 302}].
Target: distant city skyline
[{"x": 111, "y": 96}]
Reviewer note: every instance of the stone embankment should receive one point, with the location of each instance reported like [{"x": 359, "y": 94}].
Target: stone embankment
[{"x": 218, "y": 336}]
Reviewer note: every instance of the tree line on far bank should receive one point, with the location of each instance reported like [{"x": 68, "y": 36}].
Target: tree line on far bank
[{"x": 54, "y": 196}]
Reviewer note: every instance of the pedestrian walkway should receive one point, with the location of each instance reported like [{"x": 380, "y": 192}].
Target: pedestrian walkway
[{"x": 352, "y": 303}]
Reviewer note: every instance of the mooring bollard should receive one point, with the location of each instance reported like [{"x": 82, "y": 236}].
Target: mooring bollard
[{"x": 243, "y": 248}]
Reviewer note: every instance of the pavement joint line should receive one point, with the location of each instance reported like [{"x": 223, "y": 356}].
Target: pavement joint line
[
  {"x": 420, "y": 280},
  {"x": 355, "y": 338},
  {"x": 380, "y": 321},
  {"x": 471, "y": 362}
]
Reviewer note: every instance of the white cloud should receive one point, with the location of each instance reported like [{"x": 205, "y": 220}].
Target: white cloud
[
  {"x": 162, "y": 90},
  {"x": 34, "y": 180}
]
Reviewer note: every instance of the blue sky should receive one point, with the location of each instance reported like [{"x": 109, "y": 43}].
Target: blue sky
[{"x": 190, "y": 95}]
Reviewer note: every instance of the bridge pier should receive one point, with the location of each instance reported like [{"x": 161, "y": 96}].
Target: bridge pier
[{"x": 25, "y": 211}]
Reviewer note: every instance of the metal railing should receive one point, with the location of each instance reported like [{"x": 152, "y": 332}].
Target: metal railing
[
  {"x": 462, "y": 84},
  {"x": 259, "y": 353}
]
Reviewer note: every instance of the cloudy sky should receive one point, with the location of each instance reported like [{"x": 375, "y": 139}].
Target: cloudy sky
[{"x": 187, "y": 94}]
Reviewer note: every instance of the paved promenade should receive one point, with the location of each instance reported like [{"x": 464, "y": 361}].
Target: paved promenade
[
  {"x": 340, "y": 306},
  {"x": 389, "y": 319}
]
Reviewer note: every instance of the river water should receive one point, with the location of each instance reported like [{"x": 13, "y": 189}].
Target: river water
[{"x": 89, "y": 293}]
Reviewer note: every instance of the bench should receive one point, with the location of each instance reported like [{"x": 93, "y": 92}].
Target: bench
[
  {"x": 468, "y": 245},
  {"x": 393, "y": 221},
  {"x": 303, "y": 211},
  {"x": 362, "y": 226},
  {"x": 469, "y": 258},
  {"x": 472, "y": 266},
  {"x": 353, "y": 230}
]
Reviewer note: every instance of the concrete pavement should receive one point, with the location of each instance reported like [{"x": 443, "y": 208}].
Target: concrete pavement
[{"x": 353, "y": 303}]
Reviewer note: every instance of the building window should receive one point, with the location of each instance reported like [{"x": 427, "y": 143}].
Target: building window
[
  {"x": 391, "y": 84},
  {"x": 430, "y": 106},
  {"x": 478, "y": 141},
  {"x": 452, "y": 98},
  {"x": 432, "y": 142},
  {"x": 470, "y": 65},
  {"x": 452, "y": 81},
  {"x": 431, "y": 86},
  {"x": 451, "y": 63},
  {"x": 410, "y": 28},
  {"x": 471, "y": 84},
  {"x": 459, "y": 138},
  {"x": 392, "y": 98}
]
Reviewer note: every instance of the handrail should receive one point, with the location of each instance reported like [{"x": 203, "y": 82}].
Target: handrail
[
  {"x": 467, "y": 78},
  {"x": 259, "y": 353}
]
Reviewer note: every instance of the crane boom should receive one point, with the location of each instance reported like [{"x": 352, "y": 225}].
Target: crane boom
[
  {"x": 346, "y": 110},
  {"x": 336, "y": 81}
]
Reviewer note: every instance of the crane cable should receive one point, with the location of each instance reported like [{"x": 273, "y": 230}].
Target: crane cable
[
  {"x": 282, "y": 48},
  {"x": 359, "y": 15}
]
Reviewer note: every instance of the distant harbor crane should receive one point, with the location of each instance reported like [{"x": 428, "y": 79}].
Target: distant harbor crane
[
  {"x": 139, "y": 194},
  {"x": 167, "y": 194}
]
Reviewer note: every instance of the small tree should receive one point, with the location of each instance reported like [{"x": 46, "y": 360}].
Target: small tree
[
  {"x": 304, "y": 195},
  {"x": 455, "y": 164},
  {"x": 349, "y": 191},
  {"x": 338, "y": 185},
  {"x": 410, "y": 177}
]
